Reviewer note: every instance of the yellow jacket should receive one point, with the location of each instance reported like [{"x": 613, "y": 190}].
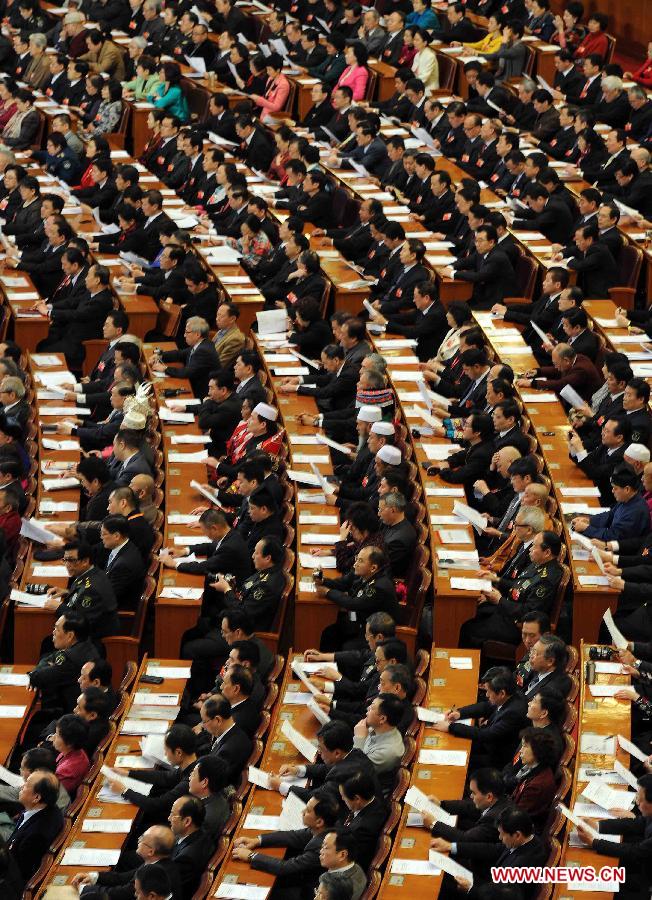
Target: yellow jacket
[{"x": 489, "y": 44}]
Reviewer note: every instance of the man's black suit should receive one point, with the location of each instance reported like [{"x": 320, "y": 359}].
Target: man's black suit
[
  {"x": 558, "y": 680},
  {"x": 197, "y": 363},
  {"x": 492, "y": 276},
  {"x": 554, "y": 222},
  {"x": 29, "y": 842},
  {"x": 428, "y": 327},
  {"x": 74, "y": 326},
  {"x": 300, "y": 869},
  {"x": 596, "y": 271},
  {"x": 190, "y": 858},
  {"x": 258, "y": 153},
  {"x": 477, "y": 846},
  {"x": 234, "y": 748},
  {"x": 329, "y": 778},
  {"x": 494, "y": 742},
  {"x": 367, "y": 827}
]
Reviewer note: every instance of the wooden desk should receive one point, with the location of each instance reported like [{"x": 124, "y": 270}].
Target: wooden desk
[
  {"x": 602, "y": 716},
  {"x": 446, "y": 687},
  {"x": 14, "y": 695},
  {"x": 95, "y": 807}
]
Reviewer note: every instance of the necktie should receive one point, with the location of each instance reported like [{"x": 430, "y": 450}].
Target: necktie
[
  {"x": 511, "y": 509},
  {"x": 112, "y": 556}
]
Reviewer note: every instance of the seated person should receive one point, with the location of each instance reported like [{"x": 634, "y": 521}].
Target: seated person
[
  {"x": 155, "y": 850},
  {"x": 377, "y": 735},
  {"x": 530, "y": 780},
  {"x": 502, "y": 716},
  {"x": 473, "y": 841},
  {"x": 34, "y": 833},
  {"x": 630, "y": 515},
  {"x": 534, "y": 589},
  {"x": 338, "y": 855},
  {"x": 70, "y": 738},
  {"x": 301, "y": 866}
]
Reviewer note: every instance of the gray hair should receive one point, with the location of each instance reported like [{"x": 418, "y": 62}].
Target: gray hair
[
  {"x": 377, "y": 362},
  {"x": 14, "y": 385},
  {"x": 38, "y": 40},
  {"x": 74, "y": 18},
  {"x": 375, "y": 379},
  {"x": 528, "y": 85},
  {"x": 395, "y": 501},
  {"x": 638, "y": 92},
  {"x": 612, "y": 83},
  {"x": 139, "y": 41},
  {"x": 199, "y": 325},
  {"x": 533, "y": 517}
]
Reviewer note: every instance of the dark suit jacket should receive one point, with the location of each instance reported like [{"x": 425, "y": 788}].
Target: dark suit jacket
[
  {"x": 492, "y": 277},
  {"x": 554, "y": 222},
  {"x": 259, "y": 153},
  {"x": 196, "y": 366},
  {"x": 84, "y": 322},
  {"x": 596, "y": 271},
  {"x": 558, "y": 680},
  {"x": 429, "y": 328},
  {"x": 126, "y": 574},
  {"x": 26, "y": 220},
  {"x": 400, "y": 293},
  {"x": 190, "y": 859},
  {"x": 367, "y": 826},
  {"x": 477, "y": 845},
  {"x": 301, "y": 865},
  {"x": 498, "y": 737},
  {"x": 247, "y": 716},
  {"x": 29, "y": 842},
  {"x": 234, "y": 748},
  {"x": 332, "y": 391},
  {"x": 120, "y": 885}
]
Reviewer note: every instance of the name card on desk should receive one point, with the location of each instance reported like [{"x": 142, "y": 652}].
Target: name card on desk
[
  {"x": 50, "y": 571},
  {"x": 308, "y": 561},
  {"x": 144, "y": 726},
  {"x": 156, "y": 699},
  {"x": 262, "y": 823},
  {"x": 313, "y": 537},
  {"x": 432, "y": 491},
  {"x": 182, "y": 593}
]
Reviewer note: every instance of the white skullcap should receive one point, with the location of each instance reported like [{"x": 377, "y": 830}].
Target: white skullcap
[
  {"x": 638, "y": 452},
  {"x": 370, "y": 414},
  {"x": 390, "y": 455},
  {"x": 265, "y": 411},
  {"x": 386, "y": 429}
]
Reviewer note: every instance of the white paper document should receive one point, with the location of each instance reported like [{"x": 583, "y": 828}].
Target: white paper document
[
  {"x": 620, "y": 641},
  {"x": 90, "y": 856},
  {"x": 571, "y": 396},
  {"x": 110, "y": 826},
  {"x": 443, "y": 757},
  {"x": 10, "y": 778},
  {"x": 631, "y": 748},
  {"x": 477, "y": 585},
  {"x": 447, "y": 864},
  {"x": 14, "y": 679},
  {"x": 605, "y": 690},
  {"x": 608, "y": 798},
  {"x": 144, "y": 726},
  {"x": 418, "y": 800},
  {"x": 176, "y": 672},
  {"x": 598, "y": 744},
  {"x": 129, "y": 783},
  {"x": 239, "y": 891},
  {"x": 413, "y": 867},
  {"x": 302, "y": 744}
]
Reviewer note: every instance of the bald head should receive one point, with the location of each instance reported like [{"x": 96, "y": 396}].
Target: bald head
[
  {"x": 143, "y": 488},
  {"x": 505, "y": 457},
  {"x": 161, "y": 839}
]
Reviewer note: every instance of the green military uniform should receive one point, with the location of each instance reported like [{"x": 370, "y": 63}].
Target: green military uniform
[
  {"x": 534, "y": 590},
  {"x": 259, "y": 597},
  {"x": 91, "y": 594},
  {"x": 56, "y": 675},
  {"x": 358, "y": 598}
]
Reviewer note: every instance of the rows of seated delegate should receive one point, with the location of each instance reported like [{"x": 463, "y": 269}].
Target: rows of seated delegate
[{"x": 544, "y": 447}]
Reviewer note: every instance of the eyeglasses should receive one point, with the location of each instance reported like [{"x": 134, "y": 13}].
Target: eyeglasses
[{"x": 70, "y": 559}]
